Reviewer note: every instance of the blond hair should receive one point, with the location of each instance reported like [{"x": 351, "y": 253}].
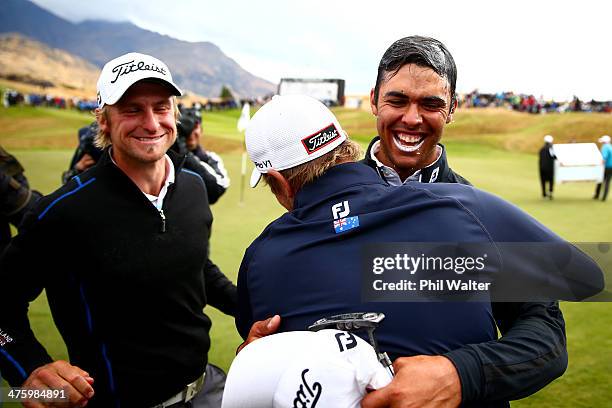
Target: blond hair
[
  {"x": 298, "y": 176},
  {"x": 103, "y": 139}
]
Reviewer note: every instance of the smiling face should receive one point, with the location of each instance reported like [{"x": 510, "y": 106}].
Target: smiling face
[
  {"x": 413, "y": 107},
  {"x": 141, "y": 124}
]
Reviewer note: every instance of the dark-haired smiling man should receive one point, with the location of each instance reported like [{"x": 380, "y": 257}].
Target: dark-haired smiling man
[{"x": 413, "y": 100}]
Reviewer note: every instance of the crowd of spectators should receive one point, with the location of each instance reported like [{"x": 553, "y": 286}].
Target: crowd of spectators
[
  {"x": 475, "y": 99},
  {"x": 13, "y": 98},
  {"x": 529, "y": 103}
]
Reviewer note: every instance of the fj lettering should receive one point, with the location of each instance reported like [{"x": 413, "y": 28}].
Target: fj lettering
[
  {"x": 340, "y": 210},
  {"x": 346, "y": 341}
]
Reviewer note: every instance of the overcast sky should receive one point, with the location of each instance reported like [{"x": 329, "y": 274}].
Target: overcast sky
[{"x": 550, "y": 48}]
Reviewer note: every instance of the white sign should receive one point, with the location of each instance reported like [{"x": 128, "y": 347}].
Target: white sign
[{"x": 578, "y": 162}]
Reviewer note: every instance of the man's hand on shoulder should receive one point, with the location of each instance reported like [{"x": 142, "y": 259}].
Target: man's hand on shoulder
[
  {"x": 61, "y": 375},
  {"x": 261, "y": 328},
  {"x": 420, "y": 381}
]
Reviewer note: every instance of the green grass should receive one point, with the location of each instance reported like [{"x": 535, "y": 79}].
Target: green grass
[
  {"x": 509, "y": 174},
  {"x": 497, "y": 128},
  {"x": 40, "y": 128},
  {"x": 222, "y": 124}
]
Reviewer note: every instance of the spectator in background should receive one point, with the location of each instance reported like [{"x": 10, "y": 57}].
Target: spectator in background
[
  {"x": 86, "y": 153},
  {"x": 606, "y": 153},
  {"x": 16, "y": 198},
  {"x": 189, "y": 131},
  {"x": 547, "y": 167}
]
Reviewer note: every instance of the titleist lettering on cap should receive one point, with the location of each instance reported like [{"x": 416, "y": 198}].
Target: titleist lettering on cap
[
  {"x": 130, "y": 66},
  {"x": 320, "y": 139}
]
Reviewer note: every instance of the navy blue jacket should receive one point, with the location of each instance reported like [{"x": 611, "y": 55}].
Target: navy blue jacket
[{"x": 300, "y": 268}]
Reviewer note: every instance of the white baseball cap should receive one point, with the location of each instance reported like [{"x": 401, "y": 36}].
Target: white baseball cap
[
  {"x": 122, "y": 72},
  {"x": 329, "y": 368},
  {"x": 288, "y": 131},
  {"x": 604, "y": 139},
  {"x": 548, "y": 139}
]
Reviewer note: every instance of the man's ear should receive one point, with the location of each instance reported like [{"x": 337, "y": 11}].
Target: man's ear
[
  {"x": 281, "y": 189},
  {"x": 102, "y": 121},
  {"x": 449, "y": 118},
  {"x": 372, "y": 104}
]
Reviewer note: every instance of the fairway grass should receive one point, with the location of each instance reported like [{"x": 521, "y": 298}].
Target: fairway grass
[{"x": 511, "y": 175}]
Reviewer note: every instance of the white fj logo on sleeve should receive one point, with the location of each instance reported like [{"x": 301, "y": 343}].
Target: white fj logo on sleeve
[
  {"x": 340, "y": 210},
  {"x": 434, "y": 175}
]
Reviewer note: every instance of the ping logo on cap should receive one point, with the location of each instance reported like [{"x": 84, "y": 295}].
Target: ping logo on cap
[
  {"x": 127, "y": 67},
  {"x": 321, "y": 138}
]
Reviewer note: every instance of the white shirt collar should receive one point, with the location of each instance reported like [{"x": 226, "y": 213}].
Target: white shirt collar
[
  {"x": 158, "y": 201},
  {"x": 390, "y": 174}
]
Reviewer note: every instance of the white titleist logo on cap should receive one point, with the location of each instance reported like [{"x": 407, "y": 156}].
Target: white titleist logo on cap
[
  {"x": 307, "y": 395},
  {"x": 119, "y": 74},
  {"x": 320, "y": 139},
  {"x": 127, "y": 67}
]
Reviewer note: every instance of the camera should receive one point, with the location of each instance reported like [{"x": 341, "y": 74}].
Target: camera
[{"x": 189, "y": 119}]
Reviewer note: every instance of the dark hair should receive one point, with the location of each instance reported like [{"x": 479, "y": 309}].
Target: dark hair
[
  {"x": 422, "y": 51},
  {"x": 188, "y": 120}
]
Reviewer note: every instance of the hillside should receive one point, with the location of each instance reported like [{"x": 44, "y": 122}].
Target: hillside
[
  {"x": 200, "y": 67},
  {"x": 496, "y": 129},
  {"x": 29, "y": 61}
]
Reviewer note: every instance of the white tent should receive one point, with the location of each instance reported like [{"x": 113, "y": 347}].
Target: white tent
[{"x": 578, "y": 162}]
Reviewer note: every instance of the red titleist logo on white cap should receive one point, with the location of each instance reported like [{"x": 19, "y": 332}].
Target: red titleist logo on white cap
[{"x": 321, "y": 138}]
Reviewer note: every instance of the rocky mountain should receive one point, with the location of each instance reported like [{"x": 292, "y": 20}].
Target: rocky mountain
[
  {"x": 198, "y": 67},
  {"x": 29, "y": 61}
]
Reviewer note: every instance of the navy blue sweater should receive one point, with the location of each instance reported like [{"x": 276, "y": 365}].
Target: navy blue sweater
[{"x": 126, "y": 288}]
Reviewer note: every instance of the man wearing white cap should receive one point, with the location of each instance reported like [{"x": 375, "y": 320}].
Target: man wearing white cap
[
  {"x": 127, "y": 299},
  {"x": 606, "y": 154},
  {"x": 305, "y": 265},
  {"x": 547, "y": 167}
]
